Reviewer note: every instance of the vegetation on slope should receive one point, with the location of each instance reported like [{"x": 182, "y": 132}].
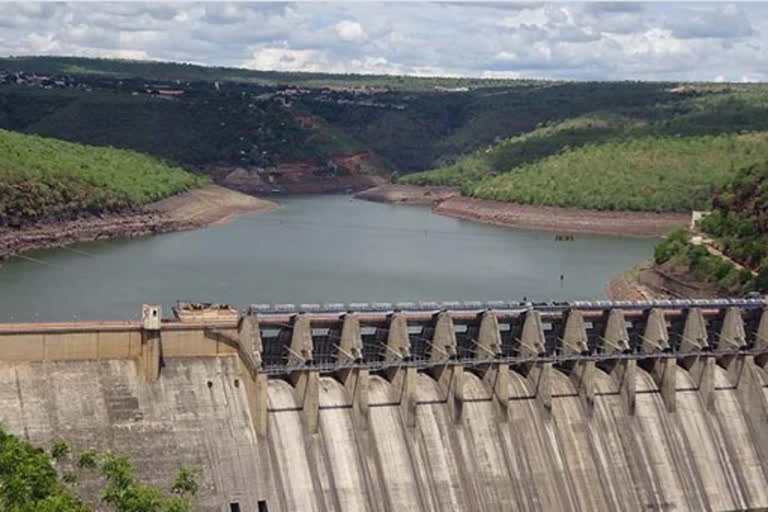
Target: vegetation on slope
[
  {"x": 704, "y": 109},
  {"x": 678, "y": 254},
  {"x": 529, "y": 147},
  {"x": 738, "y": 225},
  {"x": 30, "y": 482},
  {"x": 739, "y": 220},
  {"x": 235, "y": 117},
  {"x": 195, "y": 131},
  {"x": 44, "y": 178},
  {"x": 645, "y": 173},
  {"x": 433, "y": 129}
]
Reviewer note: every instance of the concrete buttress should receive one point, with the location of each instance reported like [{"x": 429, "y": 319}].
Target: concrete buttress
[
  {"x": 403, "y": 378},
  {"x": 450, "y": 378},
  {"x": 761, "y": 340},
  {"x": 151, "y": 341},
  {"x": 583, "y": 372},
  {"x": 305, "y": 380},
  {"x": 355, "y": 380},
  {"x": 495, "y": 375},
  {"x": 701, "y": 367},
  {"x": 531, "y": 345},
  {"x": 616, "y": 341},
  {"x": 744, "y": 374},
  {"x": 250, "y": 348},
  {"x": 656, "y": 340}
]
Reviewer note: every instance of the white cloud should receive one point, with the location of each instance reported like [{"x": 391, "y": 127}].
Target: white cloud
[
  {"x": 351, "y": 31},
  {"x": 689, "y": 41},
  {"x": 285, "y": 59}
]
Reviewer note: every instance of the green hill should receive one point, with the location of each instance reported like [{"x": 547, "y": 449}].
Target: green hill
[
  {"x": 47, "y": 178},
  {"x": 706, "y": 109},
  {"x": 466, "y": 130},
  {"x": 539, "y": 143},
  {"x": 738, "y": 226},
  {"x": 739, "y": 220},
  {"x": 644, "y": 173}
]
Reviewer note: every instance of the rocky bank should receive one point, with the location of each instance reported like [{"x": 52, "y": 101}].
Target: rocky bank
[{"x": 188, "y": 210}]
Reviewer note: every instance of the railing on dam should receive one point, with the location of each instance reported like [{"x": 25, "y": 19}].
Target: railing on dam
[{"x": 474, "y": 333}]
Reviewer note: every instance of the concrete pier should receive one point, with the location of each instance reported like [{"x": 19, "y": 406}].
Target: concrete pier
[{"x": 580, "y": 406}]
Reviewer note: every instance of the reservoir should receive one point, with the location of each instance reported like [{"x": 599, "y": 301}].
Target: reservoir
[{"x": 312, "y": 250}]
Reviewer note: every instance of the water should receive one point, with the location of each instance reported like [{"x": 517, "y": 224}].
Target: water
[{"x": 314, "y": 249}]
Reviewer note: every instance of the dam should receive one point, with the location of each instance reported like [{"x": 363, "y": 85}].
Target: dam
[{"x": 426, "y": 406}]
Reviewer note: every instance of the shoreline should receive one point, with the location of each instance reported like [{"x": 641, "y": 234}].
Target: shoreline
[
  {"x": 647, "y": 281},
  {"x": 194, "y": 209},
  {"x": 408, "y": 194},
  {"x": 447, "y": 201}
]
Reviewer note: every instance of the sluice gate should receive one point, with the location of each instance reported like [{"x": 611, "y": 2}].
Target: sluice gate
[{"x": 417, "y": 406}]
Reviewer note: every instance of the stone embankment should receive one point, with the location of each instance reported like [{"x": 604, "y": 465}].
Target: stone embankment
[
  {"x": 189, "y": 210},
  {"x": 447, "y": 201}
]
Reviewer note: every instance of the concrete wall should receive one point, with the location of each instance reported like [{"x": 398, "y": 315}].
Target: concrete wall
[{"x": 405, "y": 439}]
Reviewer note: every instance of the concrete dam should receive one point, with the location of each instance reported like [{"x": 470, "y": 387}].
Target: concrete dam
[{"x": 581, "y": 406}]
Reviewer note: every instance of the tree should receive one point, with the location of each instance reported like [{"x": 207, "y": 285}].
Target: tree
[{"x": 29, "y": 481}]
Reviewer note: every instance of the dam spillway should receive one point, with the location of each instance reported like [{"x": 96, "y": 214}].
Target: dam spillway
[{"x": 415, "y": 406}]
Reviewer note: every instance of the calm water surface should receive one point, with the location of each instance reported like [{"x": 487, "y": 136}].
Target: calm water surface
[{"x": 315, "y": 249}]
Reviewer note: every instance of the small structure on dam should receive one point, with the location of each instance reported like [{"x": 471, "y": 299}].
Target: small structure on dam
[{"x": 415, "y": 406}]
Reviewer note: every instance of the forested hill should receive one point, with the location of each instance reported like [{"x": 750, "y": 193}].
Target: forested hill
[
  {"x": 469, "y": 132},
  {"x": 43, "y": 179},
  {"x": 204, "y": 116}
]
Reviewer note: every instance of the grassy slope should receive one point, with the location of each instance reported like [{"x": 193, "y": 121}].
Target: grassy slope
[
  {"x": 194, "y": 131},
  {"x": 510, "y": 153},
  {"x": 739, "y": 220},
  {"x": 41, "y": 177},
  {"x": 646, "y": 173},
  {"x": 739, "y": 226},
  {"x": 706, "y": 109}
]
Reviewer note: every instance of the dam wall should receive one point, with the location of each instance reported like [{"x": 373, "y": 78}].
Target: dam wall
[{"x": 585, "y": 406}]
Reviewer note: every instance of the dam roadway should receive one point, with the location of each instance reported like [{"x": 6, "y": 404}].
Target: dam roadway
[{"x": 415, "y": 406}]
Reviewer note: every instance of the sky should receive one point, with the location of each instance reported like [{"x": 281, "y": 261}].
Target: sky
[{"x": 576, "y": 41}]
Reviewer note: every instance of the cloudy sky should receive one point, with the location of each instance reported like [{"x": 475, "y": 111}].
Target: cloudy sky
[{"x": 684, "y": 41}]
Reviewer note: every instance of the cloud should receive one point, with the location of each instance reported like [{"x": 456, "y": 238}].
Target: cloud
[
  {"x": 351, "y": 31},
  {"x": 720, "y": 22},
  {"x": 619, "y": 40}
]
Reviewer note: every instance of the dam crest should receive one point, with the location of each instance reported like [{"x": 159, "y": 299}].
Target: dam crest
[{"x": 415, "y": 406}]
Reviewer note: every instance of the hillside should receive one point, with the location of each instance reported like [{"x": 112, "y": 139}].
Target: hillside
[
  {"x": 704, "y": 109},
  {"x": 739, "y": 220},
  {"x": 529, "y": 147},
  {"x": 211, "y": 116},
  {"x": 263, "y": 131},
  {"x": 644, "y": 173},
  {"x": 43, "y": 178}
]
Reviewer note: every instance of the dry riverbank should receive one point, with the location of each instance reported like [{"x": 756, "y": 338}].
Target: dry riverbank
[
  {"x": 188, "y": 210},
  {"x": 646, "y": 281},
  {"x": 408, "y": 194},
  {"x": 447, "y": 201}
]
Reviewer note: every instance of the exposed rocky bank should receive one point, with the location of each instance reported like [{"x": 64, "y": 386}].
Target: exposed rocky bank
[
  {"x": 448, "y": 201},
  {"x": 647, "y": 281},
  {"x": 188, "y": 210},
  {"x": 409, "y": 194}
]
